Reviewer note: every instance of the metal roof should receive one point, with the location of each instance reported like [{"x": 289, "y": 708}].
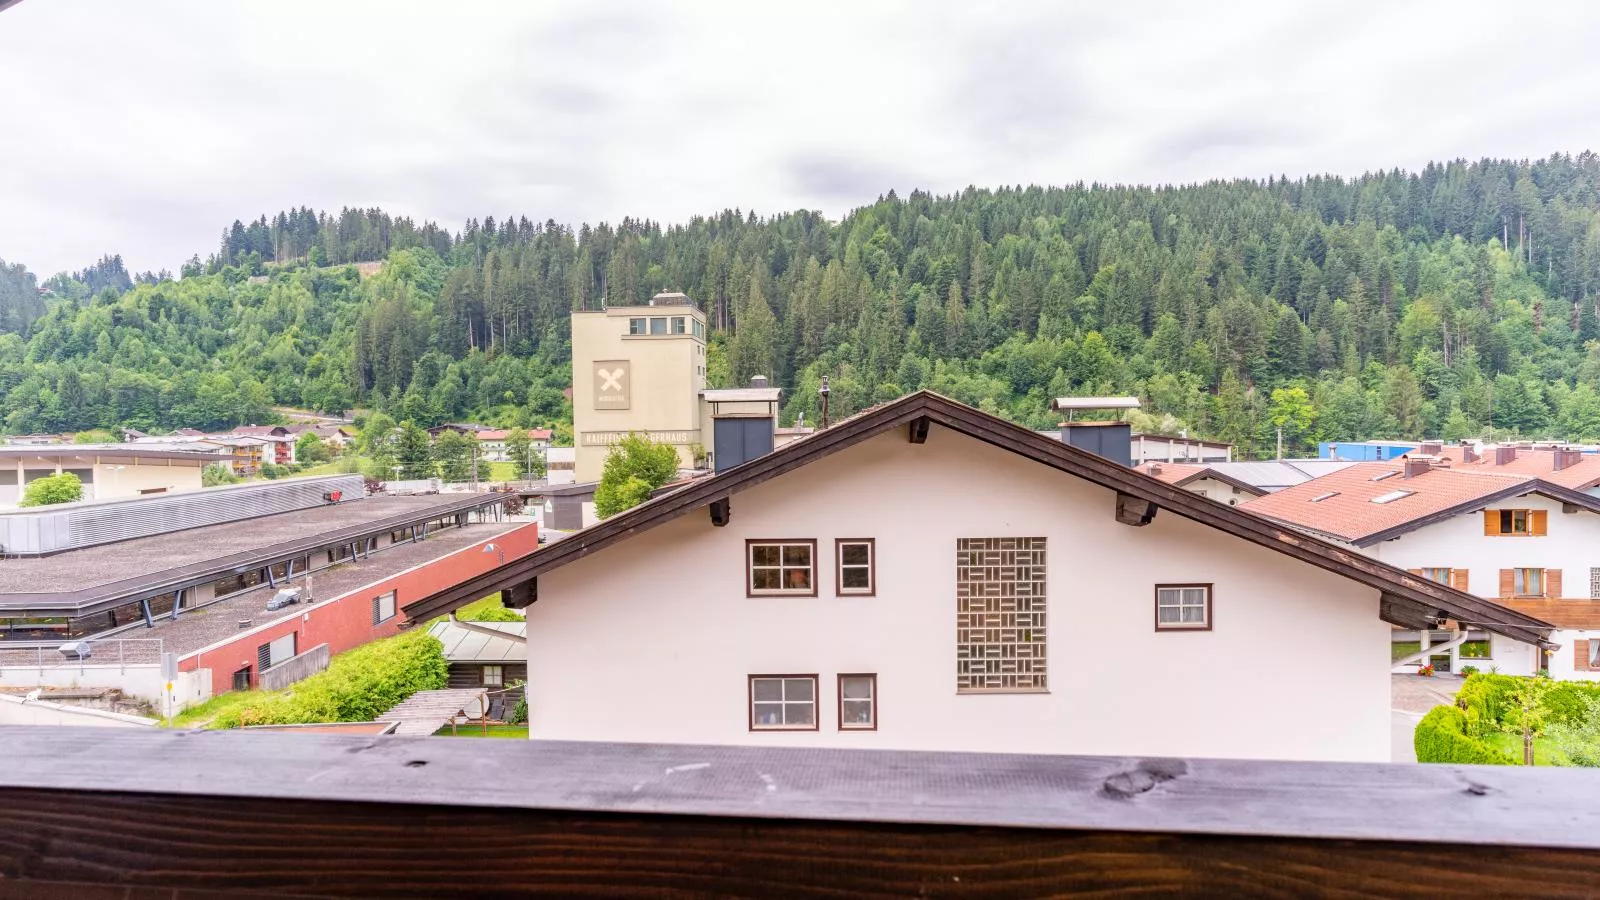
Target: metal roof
[
  {"x": 467, "y": 645},
  {"x": 741, "y": 395},
  {"x": 1095, "y": 403}
]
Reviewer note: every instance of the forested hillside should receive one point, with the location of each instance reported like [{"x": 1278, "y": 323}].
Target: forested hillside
[{"x": 1451, "y": 301}]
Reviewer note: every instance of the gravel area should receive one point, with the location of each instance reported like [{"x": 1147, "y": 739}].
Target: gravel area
[
  {"x": 209, "y": 624},
  {"x": 1418, "y": 694},
  {"x": 75, "y": 570}
]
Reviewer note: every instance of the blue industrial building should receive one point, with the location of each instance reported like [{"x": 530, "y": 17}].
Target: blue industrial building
[{"x": 1365, "y": 451}]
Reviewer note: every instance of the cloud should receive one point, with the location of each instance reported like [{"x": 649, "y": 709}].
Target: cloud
[{"x": 147, "y": 128}]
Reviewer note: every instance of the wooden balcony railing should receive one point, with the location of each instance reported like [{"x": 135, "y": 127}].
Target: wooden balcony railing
[{"x": 100, "y": 813}]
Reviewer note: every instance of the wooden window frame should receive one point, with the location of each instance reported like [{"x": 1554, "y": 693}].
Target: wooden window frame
[
  {"x": 749, "y": 567},
  {"x": 871, "y": 589},
  {"x": 816, "y": 703},
  {"x": 874, "y": 699},
  {"x": 1210, "y": 622},
  {"x": 1449, "y": 573},
  {"x": 1516, "y": 573},
  {"x": 1535, "y": 522},
  {"x": 483, "y": 675}
]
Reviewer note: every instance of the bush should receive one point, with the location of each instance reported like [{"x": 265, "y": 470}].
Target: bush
[
  {"x": 217, "y": 474},
  {"x": 1486, "y": 699},
  {"x": 356, "y": 686},
  {"x": 1568, "y": 701},
  {"x": 52, "y": 489},
  {"x": 1469, "y": 671},
  {"x": 519, "y": 712},
  {"x": 1441, "y": 737},
  {"x": 496, "y": 614}
]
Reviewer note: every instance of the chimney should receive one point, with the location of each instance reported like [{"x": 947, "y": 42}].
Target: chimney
[
  {"x": 1155, "y": 468},
  {"x": 758, "y": 381},
  {"x": 1567, "y": 456},
  {"x": 1468, "y": 455},
  {"x": 1503, "y": 455},
  {"x": 1415, "y": 466},
  {"x": 1432, "y": 448}
]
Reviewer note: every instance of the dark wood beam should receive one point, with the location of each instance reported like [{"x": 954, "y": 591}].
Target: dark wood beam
[
  {"x": 1134, "y": 511},
  {"x": 1406, "y": 613},
  {"x": 310, "y": 815},
  {"x": 917, "y": 431},
  {"x": 520, "y": 596},
  {"x": 721, "y": 511}
]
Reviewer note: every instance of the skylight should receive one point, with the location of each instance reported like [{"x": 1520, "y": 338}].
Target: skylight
[
  {"x": 1321, "y": 497},
  {"x": 1382, "y": 475},
  {"x": 1392, "y": 496}
]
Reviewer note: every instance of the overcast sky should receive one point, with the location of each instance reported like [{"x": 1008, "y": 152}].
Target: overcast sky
[{"x": 144, "y": 128}]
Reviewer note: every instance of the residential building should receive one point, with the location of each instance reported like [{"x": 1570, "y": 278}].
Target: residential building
[
  {"x": 1178, "y": 448},
  {"x": 1235, "y": 482},
  {"x": 1571, "y": 467},
  {"x": 107, "y": 471},
  {"x": 561, "y": 465},
  {"x": 333, "y": 435},
  {"x": 825, "y": 595},
  {"x": 492, "y": 443},
  {"x": 642, "y": 369},
  {"x": 491, "y": 655},
  {"x": 1532, "y": 545}
]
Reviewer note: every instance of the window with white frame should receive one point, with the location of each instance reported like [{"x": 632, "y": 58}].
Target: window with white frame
[
  {"x": 658, "y": 326},
  {"x": 678, "y": 325},
  {"x": 781, "y": 567},
  {"x": 494, "y": 676},
  {"x": 382, "y": 608},
  {"x": 856, "y": 566},
  {"x": 858, "y": 702},
  {"x": 1181, "y": 607},
  {"x": 636, "y": 326},
  {"x": 783, "y": 703}
]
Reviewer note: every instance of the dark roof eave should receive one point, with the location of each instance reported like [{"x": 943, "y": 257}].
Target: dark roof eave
[{"x": 1005, "y": 435}]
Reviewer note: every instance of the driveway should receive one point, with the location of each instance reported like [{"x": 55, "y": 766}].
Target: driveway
[{"x": 1410, "y": 696}]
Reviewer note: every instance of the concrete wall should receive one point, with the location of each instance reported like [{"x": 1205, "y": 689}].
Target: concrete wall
[
  {"x": 142, "y": 681},
  {"x": 1220, "y": 491},
  {"x": 664, "y": 385},
  {"x": 653, "y": 639},
  {"x": 112, "y": 483},
  {"x": 16, "y": 711},
  {"x": 345, "y": 621}
]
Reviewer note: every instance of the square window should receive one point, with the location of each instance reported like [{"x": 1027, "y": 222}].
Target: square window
[
  {"x": 858, "y": 702},
  {"x": 781, "y": 567},
  {"x": 382, "y": 608},
  {"x": 636, "y": 326},
  {"x": 658, "y": 326},
  {"x": 783, "y": 703},
  {"x": 856, "y": 566},
  {"x": 1529, "y": 582},
  {"x": 494, "y": 676},
  {"x": 677, "y": 324},
  {"x": 1183, "y": 607}
]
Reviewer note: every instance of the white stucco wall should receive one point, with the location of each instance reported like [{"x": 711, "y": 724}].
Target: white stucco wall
[
  {"x": 1572, "y": 545},
  {"x": 17, "y": 711},
  {"x": 1220, "y": 491},
  {"x": 653, "y": 639}
]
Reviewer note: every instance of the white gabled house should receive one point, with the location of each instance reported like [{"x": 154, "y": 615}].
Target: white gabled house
[
  {"x": 835, "y": 593},
  {"x": 1530, "y": 544}
]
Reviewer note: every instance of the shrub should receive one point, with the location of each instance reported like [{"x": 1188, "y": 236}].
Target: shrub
[
  {"x": 1579, "y": 739},
  {"x": 1486, "y": 699},
  {"x": 217, "y": 474},
  {"x": 519, "y": 712},
  {"x": 1441, "y": 737},
  {"x": 52, "y": 489},
  {"x": 1568, "y": 701},
  {"x": 356, "y": 686},
  {"x": 496, "y": 614},
  {"x": 1469, "y": 671}
]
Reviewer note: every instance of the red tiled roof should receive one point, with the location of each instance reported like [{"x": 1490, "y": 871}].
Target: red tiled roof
[
  {"x": 1171, "y": 473},
  {"x": 1347, "y": 510},
  {"x": 1541, "y": 464},
  {"x": 500, "y": 434}
]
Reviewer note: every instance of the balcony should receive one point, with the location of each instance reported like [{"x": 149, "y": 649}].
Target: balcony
[{"x": 101, "y": 813}]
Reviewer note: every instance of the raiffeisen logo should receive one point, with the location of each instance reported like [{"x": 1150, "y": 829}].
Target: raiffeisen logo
[{"x": 611, "y": 379}]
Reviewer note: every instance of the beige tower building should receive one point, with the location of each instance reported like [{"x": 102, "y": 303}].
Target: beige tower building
[{"x": 643, "y": 369}]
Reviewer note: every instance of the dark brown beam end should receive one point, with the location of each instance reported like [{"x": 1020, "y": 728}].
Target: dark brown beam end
[
  {"x": 917, "y": 430},
  {"x": 1134, "y": 511},
  {"x": 720, "y": 510}
]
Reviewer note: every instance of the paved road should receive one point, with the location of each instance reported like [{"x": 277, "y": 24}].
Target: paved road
[
  {"x": 1401, "y": 726},
  {"x": 1410, "y": 697}
]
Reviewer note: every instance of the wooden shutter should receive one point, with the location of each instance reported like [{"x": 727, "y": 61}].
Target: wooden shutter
[
  {"x": 1508, "y": 582},
  {"x": 1552, "y": 582},
  {"x": 1458, "y": 579},
  {"x": 1491, "y": 521},
  {"x": 1580, "y": 656},
  {"x": 1538, "y": 522}
]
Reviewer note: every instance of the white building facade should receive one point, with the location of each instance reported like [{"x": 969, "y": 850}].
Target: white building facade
[{"x": 843, "y": 603}]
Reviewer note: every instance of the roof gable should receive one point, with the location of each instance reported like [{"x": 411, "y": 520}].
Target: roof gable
[{"x": 1407, "y": 600}]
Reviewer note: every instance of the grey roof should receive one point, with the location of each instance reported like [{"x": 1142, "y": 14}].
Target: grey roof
[
  {"x": 428, "y": 711},
  {"x": 125, "y": 451},
  {"x": 466, "y": 645},
  {"x": 1274, "y": 475},
  {"x": 741, "y": 395}
]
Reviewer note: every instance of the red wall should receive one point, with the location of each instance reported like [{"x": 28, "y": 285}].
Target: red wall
[{"x": 346, "y": 621}]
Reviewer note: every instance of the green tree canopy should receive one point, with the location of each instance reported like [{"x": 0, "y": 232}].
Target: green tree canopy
[
  {"x": 52, "y": 489},
  {"x": 635, "y": 466}
]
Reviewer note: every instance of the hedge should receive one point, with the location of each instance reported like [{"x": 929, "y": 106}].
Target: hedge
[
  {"x": 357, "y": 685},
  {"x": 1441, "y": 737}
]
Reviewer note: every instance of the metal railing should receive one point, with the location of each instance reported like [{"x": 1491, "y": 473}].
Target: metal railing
[{"x": 121, "y": 652}]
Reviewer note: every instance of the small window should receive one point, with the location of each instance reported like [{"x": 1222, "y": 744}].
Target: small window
[
  {"x": 699, "y": 328},
  {"x": 781, "y": 567},
  {"x": 1528, "y": 582},
  {"x": 1515, "y": 521},
  {"x": 494, "y": 676},
  {"x": 1392, "y": 496},
  {"x": 1441, "y": 576},
  {"x": 677, "y": 324},
  {"x": 856, "y": 566},
  {"x": 1181, "y": 607},
  {"x": 383, "y": 608},
  {"x": 636, "y": 326},
  {"x": 1477, "y": 650},
  {"x": 1324, "y": 496},
  {"x": 1382, "y": 475},
  {"x": 783, "y": 703},
  {"x": 658, "y": 326},
  {"x": 858, "y": 702}
]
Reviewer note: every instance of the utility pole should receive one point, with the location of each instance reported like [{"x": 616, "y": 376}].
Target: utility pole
[
  {"x": 1280, "y": 442},
  {"x": 823, "y": 391}
]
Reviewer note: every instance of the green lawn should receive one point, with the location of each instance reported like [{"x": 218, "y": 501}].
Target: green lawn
[
  {"x": 495, "y": 731},
  {"x": 1543, "y": 753},
  {"x": 197, "y": 716}
]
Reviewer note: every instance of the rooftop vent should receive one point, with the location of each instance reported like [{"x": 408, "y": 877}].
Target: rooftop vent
[
  {"x": 1567, "y": 456},
  {"x": 1503, "y": 455},
  {"x": 1432, "y": 448},
  {"x": 75, "y": 650},
  {"x": 1468, "y": 453},
  {"x": 1417, "y": 466},
  {"x": 758, "y": 381}
]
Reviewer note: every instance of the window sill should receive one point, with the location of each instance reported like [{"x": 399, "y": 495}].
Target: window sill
[
  {"x": 979, "y": 692},
  {"x": 783, "y": 728}
]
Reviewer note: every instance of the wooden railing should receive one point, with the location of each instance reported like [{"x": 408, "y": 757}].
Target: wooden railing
[
  {"x": 93, "y": 813},
  {"x": 295, "y": 668}
]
